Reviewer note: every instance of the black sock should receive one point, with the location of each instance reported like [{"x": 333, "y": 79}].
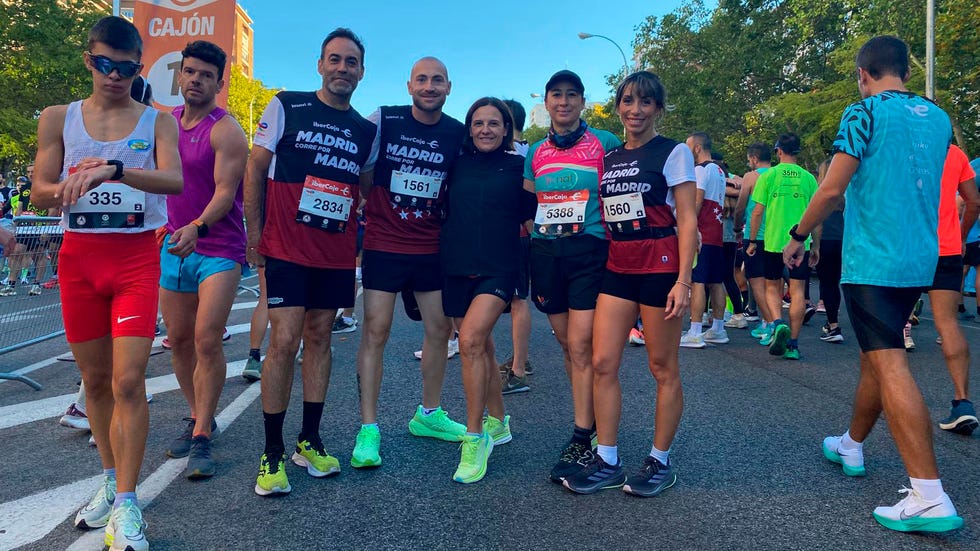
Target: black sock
[
  {"x": 582, "y": 436},
  {"x": 274, "y": 446},
  {"x": 312, "y": 412},
  {"x": 962, "y": 308},
  {"x": 254, "y": 353}
]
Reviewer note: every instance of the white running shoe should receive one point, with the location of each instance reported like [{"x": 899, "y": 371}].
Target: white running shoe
[
  {"x": 907, "y": 333},
  {"x": 126, "y": 529},
  {"x": 692, "y": 341},
  {"x": 96, "y": 513},
  {"x": 737, "y": 321},
  {"x": 75, "y": 418},
  {"x": 452, "y": 350},
  {"x": 636, "y": 337},
  {"x": 715, "y": 337},
  {"x": 851, "y": 461},
  {"x": 914, "y": 514}
]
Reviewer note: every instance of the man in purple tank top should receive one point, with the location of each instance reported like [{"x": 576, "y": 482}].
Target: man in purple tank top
[{"x": 203, "y": 253}]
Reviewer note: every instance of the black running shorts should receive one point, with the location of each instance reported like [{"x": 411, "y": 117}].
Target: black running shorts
[
  {"x": 458, "y": 292},
  {"x": 566, "y": 273},
  {"x": 949, "y": 274},
  {"x": 878, "y": 314},
  {"x": 644, "y": 289},
  {"x": 292, "y": 285},
  {"x": 393, "y": 272}
]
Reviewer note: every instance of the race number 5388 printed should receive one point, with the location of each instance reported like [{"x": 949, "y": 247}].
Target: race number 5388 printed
[
  {"x": 561, "y": 212},
  {"x": 325, "y": 204}
]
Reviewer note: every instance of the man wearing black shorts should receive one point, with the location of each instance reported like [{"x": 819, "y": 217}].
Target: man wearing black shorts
[
  {"x": 301, "y": 192},
  {"x": 889, "y": 156},
  {"x": 759, "y": 159}
]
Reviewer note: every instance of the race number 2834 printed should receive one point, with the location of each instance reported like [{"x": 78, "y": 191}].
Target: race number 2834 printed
[{"x": 325, "y": 204}]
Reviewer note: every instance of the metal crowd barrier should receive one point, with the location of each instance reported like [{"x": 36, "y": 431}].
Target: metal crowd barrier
[{"x": 30, "y": 314}]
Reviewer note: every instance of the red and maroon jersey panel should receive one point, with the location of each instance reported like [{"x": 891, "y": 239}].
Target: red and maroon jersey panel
[
  {"x": 638, "y": 205},
  {"x": 312, "y": 188},
  {"x": 405, "y": 205},
  {"x": 711, "y": 179}
]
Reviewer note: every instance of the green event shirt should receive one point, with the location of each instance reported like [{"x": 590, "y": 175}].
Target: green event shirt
[{"x": 785, "y": 191}]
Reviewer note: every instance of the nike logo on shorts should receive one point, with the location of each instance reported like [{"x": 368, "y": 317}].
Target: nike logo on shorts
[{"x": 121, "y": 319}]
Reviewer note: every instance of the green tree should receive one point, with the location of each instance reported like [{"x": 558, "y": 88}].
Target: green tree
[
  {"x": 41, "y": 45},
  {"x": 534, "y": 133},
  {"x": 604, "y": 117},
  {"x": 247, "y": 98}
]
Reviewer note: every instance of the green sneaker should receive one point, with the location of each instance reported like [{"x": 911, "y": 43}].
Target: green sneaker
[
  {"x": 777, "y": 346},
  {"x": 366, "y": 448},
  {"x": 766, "y": 339},
  {"x": 791, "y": 354},
  {"x": 272, "y": 477},
  {"x": 317, "y": 461},
  {"x": 474, "y": 453},
  {"x": 436, "y": 425},
  {"x": 253, "y": 370},
  {"x": 499, "y": 431}
]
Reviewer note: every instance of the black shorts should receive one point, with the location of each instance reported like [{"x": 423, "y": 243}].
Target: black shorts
[
  {"x": 949, "y": 274},
  {"x": 33, "y": 243},
  {"x": 878, "y": 314},
  {"x": 644, "y": 289},
  {"x": 711, "y": 265},
  {"x": 291, "y": 285},
  {"x": 972, "y": 255},
  {"x": 755, "y": 265},
  {"x": 523, "y": 285},
  {"x": 774, "y": 266},
  {"x": 566, "y": 273},
  {"x": 458, "y": 292},
  {"x": 393, "y": 272}
]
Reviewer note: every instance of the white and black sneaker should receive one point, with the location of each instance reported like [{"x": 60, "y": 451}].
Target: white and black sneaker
[
  {"x": 831, "y": 335},
  {"x": 596, "y": 475},
  {"x": 653, "y": 478}
]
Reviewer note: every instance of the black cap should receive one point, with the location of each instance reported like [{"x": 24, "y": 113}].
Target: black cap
[{"x": 565, "y": 76}]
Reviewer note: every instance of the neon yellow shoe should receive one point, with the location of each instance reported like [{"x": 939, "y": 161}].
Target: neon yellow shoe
[
  {"x": 497, "y": 429},
  {"x": 317, "y": 461},
  {"x": 272, "y": 477},
  {"x": 474, "y": 453},
  {"x": 367, "y": 448}
]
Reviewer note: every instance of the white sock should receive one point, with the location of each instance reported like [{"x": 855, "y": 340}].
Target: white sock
[
  {"x": 695, "y": 328},
  {"x": 929, "y": 489},
  {"x": 609, "y": 454},
  {"x": 659, "y": 455},
  {"x": 348, "y": 320},
  {"x": 717, "y": 325},
  {"x": 429, "y": 411},
  {"x": 80, "y": 399},
  {"x": 848, "y": 444},
  {"x": 357, "y": 272}
]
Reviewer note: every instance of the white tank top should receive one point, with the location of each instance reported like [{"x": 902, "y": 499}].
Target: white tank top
[{"x": 113, "y": 207}]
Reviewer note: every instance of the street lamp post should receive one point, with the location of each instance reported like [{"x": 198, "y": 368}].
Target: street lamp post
[{"x": 585, "y": 36}]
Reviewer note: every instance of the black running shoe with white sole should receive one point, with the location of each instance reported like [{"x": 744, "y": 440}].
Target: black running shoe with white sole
[
  {"x": 653, "y": 478},
  {"x": 574, "y": 457},
  {"x": 596, "y": 475}
]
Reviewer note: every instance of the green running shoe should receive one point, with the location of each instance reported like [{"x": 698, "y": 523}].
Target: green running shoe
[
  {"x": 760, "y": 331},
  {"x": 766, "y": 339},
  {"x": 791, "y": 354},
  {"x": 318, "y": 462},
  {"x": 499, "y": 431},
  {"x": 474, "y": 453},
  {"x": 96, "y": 513},
  {"x": 436, "y": 425},
  {"x": 126, "y": 530},
  {"x": 780, "y": 336},
  {"x": 272, "y": 477},
  {"x": 366, "y": 448},
  {"x": 253, "y": 370}
]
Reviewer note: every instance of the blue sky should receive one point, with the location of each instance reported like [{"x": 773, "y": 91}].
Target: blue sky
[{"x": 504, "y": 48}]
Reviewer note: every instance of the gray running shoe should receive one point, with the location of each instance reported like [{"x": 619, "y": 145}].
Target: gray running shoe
[
  {"x": 253, "y": 370},
  {"x": 199, "y": 462},
  {"x": 654, "y": 477},
  {"x": 181, "y": 446},
  {"x": 596, "y": 475},
  {"x": 512, "y": 384},
  {"x": 96, "y": 512}
]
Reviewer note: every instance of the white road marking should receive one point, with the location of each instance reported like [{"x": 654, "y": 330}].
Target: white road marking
[
  {"x": 31, "y": 518},
  {"x": 28, "y": 412}
]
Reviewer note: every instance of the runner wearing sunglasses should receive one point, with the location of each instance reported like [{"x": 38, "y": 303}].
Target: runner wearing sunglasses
[{"x": 108, "y": 161}]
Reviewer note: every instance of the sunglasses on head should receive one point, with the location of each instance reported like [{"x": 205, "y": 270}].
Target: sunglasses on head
[{"x": 104, "y": 65}]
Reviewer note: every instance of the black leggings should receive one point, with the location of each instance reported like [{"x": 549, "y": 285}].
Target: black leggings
[
  {"x": 828, "y": 270},
  {"x": 731, "y": 286}
]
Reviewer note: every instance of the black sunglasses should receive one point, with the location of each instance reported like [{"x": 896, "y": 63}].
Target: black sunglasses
[{"x": 104, "y": 65}]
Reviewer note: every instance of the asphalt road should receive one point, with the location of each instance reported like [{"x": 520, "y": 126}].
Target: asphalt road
[{"x": 751, "y": 474}]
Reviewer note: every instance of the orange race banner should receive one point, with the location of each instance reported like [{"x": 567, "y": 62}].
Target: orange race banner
[{"x": 166, "y": 26}]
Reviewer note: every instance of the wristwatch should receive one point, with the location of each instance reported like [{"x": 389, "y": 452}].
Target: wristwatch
[
  {"x": 796, "y": 236},
  {"x": 119, "y": 169},
  {"x": 202, "y": 228}
]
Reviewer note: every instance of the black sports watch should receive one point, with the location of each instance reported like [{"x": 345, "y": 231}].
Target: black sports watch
[
  {"x": 796, "y": 236},
  {"x": 119, "y": 169},
  {"x": 202, "y": 228}
]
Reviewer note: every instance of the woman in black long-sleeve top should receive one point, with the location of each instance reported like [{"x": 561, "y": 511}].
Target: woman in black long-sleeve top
[{"x": 480, "y": 250}]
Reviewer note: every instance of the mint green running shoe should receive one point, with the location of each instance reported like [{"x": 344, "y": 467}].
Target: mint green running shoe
[
  {"x": 367, "y": 448},
  {"x": 791, "y": 354},
  {"x": 780, "y": 336},
  {"x": 497, "y": 429},
  {"x": 474, "y": 453},
  {"x": 436, "y": 425},
  {"x": 760, "y": 331}
]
